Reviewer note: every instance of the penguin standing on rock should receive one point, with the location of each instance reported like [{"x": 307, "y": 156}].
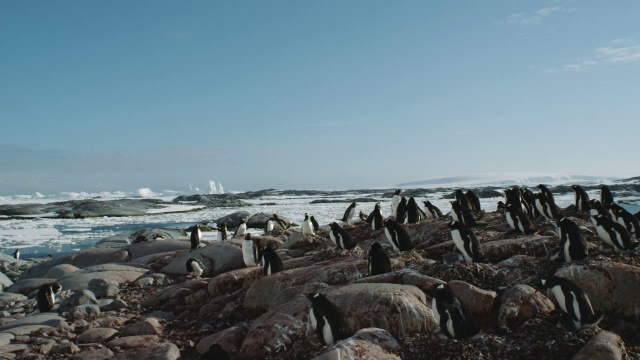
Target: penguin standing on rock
[
  {"x": 316, "y": 226},
  {"x": 462, "y": 199},
  {"x": 222, "y": 232},
  {"x": 241, "y": 229},
  {"x": 573, "y": 301},
  {"x": 596, "y": 208},
  {"x": 466, "y": 242},
  {"x": 513, "y": 197},
  {"x": 271, "y": 260},
  {"x": 279, "y": 224},
  {"x": 545, "y": 206},
  {"x": 414, "y": 213},
  {"x": 613, "y": 233},
  {"x": 375, "y": 218},
  {"x": 196, "y": 234},
  {"x": 341, "y": 237},
  {"x": 459, "y": 213},
  {"x": 518, "y": 220},
  {"x": 545, "y": 190},
  {"x": 581, "y": 197},
  {"x": 16, "y": 254},
  {"x": 250, "y": 251},
  {"x": 378, "y": 260},
  {"x": 401, "y": 211},
  {"x": 195, "y": 267},
  {"x": 46, "y": 296},
  {"x": 397, "y": 236},
  {"x": 326, "y": 319},
  {"x": 349, "y": 213},
  {"x": 606, "y": 197},
  {"x": 307, "y": 226},
  {"x": 473, "y": 200},
  {"x": 572, "y": 244},
  {"x": 448, "y": 312},
  {"x": 627, "y": 220},
  {"x": 395, "y": 200},
  {"x": 433, "y": 210}
]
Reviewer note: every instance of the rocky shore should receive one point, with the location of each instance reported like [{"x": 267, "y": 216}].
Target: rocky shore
[{"x": 128, "y": 300}]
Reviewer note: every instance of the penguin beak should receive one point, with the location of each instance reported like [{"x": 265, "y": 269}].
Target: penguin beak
[{"x": 307, "y": 295}]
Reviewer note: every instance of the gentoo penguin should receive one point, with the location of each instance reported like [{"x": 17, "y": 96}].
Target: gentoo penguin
[
  {"x": 222, "y": 232},
  {"x": 572, "y": 244},
  {"x": 250, "y": 251},
  {"x": 16, "y": 254},
  {"x": 271, "y": 260},
  {"x": 518, "y": 220},
  {"x": 215, "y": 352},
  {"x": 512, "y": 196},
  {"x": 545, "y": 190},
  {"x": 596, "y": 208},
  {"x": 573, "y": 301},
  {"x": 156, "y": 237},
  {"x": 473, "y": 201},
  {"x": 613, "y": 233},
  {"x": 279, "y": 224},
  {"x": 46, "y": 296},
  {"x": 349, "y": 213},
  {"x": 466, "y": 242},
  {"x": 529, "y": 203},
  {"x": 395, "y": 200},
  {"x": 140, "y": 239},
  {"x": 397, "y": 236},
  {"x": 459, "y": 213},
  {"x": 307, "y": 226},
  {"x": 637, "y": 215},
  {"x": 375, "y": 218},
  {"x": 627, "y": 220},
  {"x": 500, "y": 206},
  {"x": 196, "y": 234},
  {"x": 545, "y": 206},
  {"x": 316, "y": 226},
  {"x": 606, "y": 197},
  {"x": 414, "y": 213},
  {"x": 432, "y": 210},
  {"x": 241, "y": 229},
  {"x": 378, "y": 261},
  {"x": 462, "y": 199},
  {"x": 448, "y": 312},
  {"x": 401, "y": 211},
  {"x": 269, "y": 225},
  {"x": 326, "y": 319},
  {"x": 341, "y": 237},
  {"x": 582, "y": 199},
  {"x": 362, "y": 216},
  {"x": 195, "y": 267}
]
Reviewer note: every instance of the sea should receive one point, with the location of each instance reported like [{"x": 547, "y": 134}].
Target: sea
[{"x": 41, "y": 236}]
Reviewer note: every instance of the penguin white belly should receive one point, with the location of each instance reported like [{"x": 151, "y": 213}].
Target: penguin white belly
[
  {"x": 312, "y": 318},
  {"x": 557, "y": 292},
  {"x": 454, "y": 215},
  {"x": 390, "y": 238},
  {"x": 327, "y": 334},
  {"x": 457, "y": 240},
  {"x": 576, "y": 307},
  {"x": 199, "y": 234},
  {"x": 270, "y": 225},
  {"x": 604, "y": 235},
  {"x": 618, "y": 240},
  {"x": 434, "y": 309},
  {"x": 307, "y": 227},
  {"x": 373, "y": 223},
  {"x": 247, "y": 253},
  {"x": 269, "y": 269},
  {"x": 333, "y": 238},
  {"x": 340, "y": 242},
  {"x": 450, "y": 327},
  {"x": 240, "y": 230},
  {"x": 567, "y": 254},
  {"x": 52, "y": 295},
  {"x": 369, "y": 266},
  {"x": 510, "y": 220},
  {"x": 520, "y": 225},
  {"x": 197, "y": 270}
]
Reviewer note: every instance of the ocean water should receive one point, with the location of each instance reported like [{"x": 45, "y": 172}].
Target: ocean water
[{"x": 39, "y": 237}]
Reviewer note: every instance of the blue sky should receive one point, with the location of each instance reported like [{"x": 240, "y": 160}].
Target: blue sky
[{"x": 119, "y": 95}]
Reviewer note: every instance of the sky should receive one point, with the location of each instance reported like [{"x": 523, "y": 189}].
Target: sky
[{"x": 121, "y": 95}]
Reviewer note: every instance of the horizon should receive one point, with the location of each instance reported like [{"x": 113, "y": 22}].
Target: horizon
[{"x": 331, "y": 95}]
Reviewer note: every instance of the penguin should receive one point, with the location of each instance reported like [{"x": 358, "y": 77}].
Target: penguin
[
  {"x": 395, "y": 200},
  {"x": 500, "y": 207},
  {"x": 449, "y": 313},
  {"x": 529, "y": 203},
  {"x": 459, "y": 213},
  {"x": 466, "y": 242},
  {"x": 637, "y": 215},
  {"x": 596, "y": 208},
  {"x": 573, "y": 301},
  {"x": 545, "y": 190},
  {"x": 375, "y": 218},
  {"x": 307, "y": 226},
  {"x": 195, "y": 267},
  {"x": 241, "y": 229},
  {"x": 196, "y": 235},
  {"x": 279, "y": 224},
  {"x": 222, "y": 232},
  {"x": 363, "y": 217},
  {"x": 269, "y": 225},
  {"x": 401, "y": 211},
  {"x": 215, "y": 352},
  {"x": 545, "y": 206},
  {"x": 46, "y": 296},
  {"x": 582, "y": 199},
  {"x": 349, "y": 213},
  {"x": 606, "y": 197},
  {"x": 129, "y": 256},
  {"x": 156, "y": 237},
  {"x": 433, "y": 210},
  {"x": 250, "y": 251},
  {"x": 271, "y": 260},
  {"x": 397, "y": 236},
  {"x": 414, "y": 213},
  {"x": 613, "y": 233},
  {"x": 518, "y": 220},
  {"x": 513, "y": 197},
  {"x": 378, "y": 260},
  {"x": 341, "y": 237},
  {"x": 627, "y": 220},
  {"x": 572, "y": 244},
  {"x": 16, "y": 254},
  {"x": 473, "y": 200},
  {"x": 140, "y": 239},
  {"x": 316, "y": 226},
  {"x": 462, "y": 199},
  {"x": 326, "y": 319}
]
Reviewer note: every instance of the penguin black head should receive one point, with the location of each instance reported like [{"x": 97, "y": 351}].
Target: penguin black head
[
  {"x": 196, "y": 227},
  {"x": 500, "y": 205},
  {"x": 242, "y": 221},
  {"x": 306, "y": 216},
  {"x": 275, "y": 216},
  {"x": 223, "y": 226},
  {"x": 377, "y": 205},
  {"x": 316, "y": 298},
  {"x": 247, "y": 236},
  {"x": 397, "y": 192},
  {"x": 334, "y": 225},
  {"x": 376, "y": 246}
]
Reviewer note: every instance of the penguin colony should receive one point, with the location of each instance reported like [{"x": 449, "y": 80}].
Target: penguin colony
[{"x": 525, "y": 212}]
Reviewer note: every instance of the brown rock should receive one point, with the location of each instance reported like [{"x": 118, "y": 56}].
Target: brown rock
[
  {"x": 521, "y": 303},
  {"x": 161, "y": 351},
  {"x": 148, "y": 326},
  {"x": 130, "y": 342},
  {"x": 96, "y": 335},
  {"x": 94, "y": 354},
  {"x": 477, "y": 302},
  {"x": 229, "y": 339},
  {"x": 173, "y": 295},
  {"x": 368, "y": 343},
  {"x": 604, "y": 346}
]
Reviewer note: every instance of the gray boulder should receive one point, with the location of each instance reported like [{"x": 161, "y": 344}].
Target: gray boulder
[
  {"x": 257, "y": 221},
  {"x": 85, "y": 312},
  {"x": 122, "y": 274},
  {"x": 127, "y": 237},
  {"x": 218, "y": 257},
  {"x": 132, "y": 342},
  {"x": 161, "y": 351},
  {"x": 367, "y": 343},
  {"x": 233, "y": 220},
  {"x": 81, "y": 259},
  {"x": 83, "y": 297},
  {"x": 25, "y": 287},
  {"x": 104, "y": 287},
  {"x": 47, "y": 319},
  {"x": 96, "y": 335},
  {"x": 212, "y": 201},
  {"x": 60, "y": 270},
  {"x": 5, "y": 282},
  {"x": 94, "y": 354},
  {"x": 229, "y": 339},
  {"x": 148, "y": 326},
  {"x": 605, "y": 345}
]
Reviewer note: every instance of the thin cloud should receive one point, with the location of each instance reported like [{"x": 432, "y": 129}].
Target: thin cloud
[
  {"x": 604, "y": 55},
  {"x": 534, "y": 18}
]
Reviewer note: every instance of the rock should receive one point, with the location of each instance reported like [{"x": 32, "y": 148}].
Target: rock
[
  {"x": 104, "y": 287},
  {"x": 605, "y": 345},
  {"x": 174, "y": 295},
  {"x": 25, "y": 287},
  {"x": 144, "y": 249},
  {"x": 5, "y": 282},
  {"x": 7, "y": 299},
  {"x": 148, "y": 326},
  {"x": 297, "y": 240},
  {"x": 218, "y": 257},
  {"x": 26, "y": 329},
  {"x": 67, "y": 348},
  {"x": 257, "y": 221},
  {"x": 229, "y": 339},
  {"x": 161, "y": 351},
  {"x": 86, "y": 312},
  {"x": 110, "y": 321},
  {"x": 5, "y": 338},
  {"x": 162, "y": 315},
  {"x": 404, "y": 277},
  {"x": 499, "y": 250},
  {"x": 115, "y": 305},
  {"x": 6, "y": 352},
  {"x": 212, "y": 200},
  {"x": 84, "y": 297},
  {"x": 144, "y": 281},
  {"x": 522, "y": 303},
  {"x": 60, "y": 270},
  {"x": 81, "y": 259},
  {"x": 233, "y": 220},
  {"x": 94, "y": 354},
  {"x": 477, "y": 302},
  {"x": 96, "y": 335},
  {"x": 79, "y": 280},
  {"x": 367, "y": 343},
  {"x": 130, "y": 342},
  {"x": 228, "y": 282},
  {"x": 48, "y": 319},
  {"x": 126, "y": 237}
]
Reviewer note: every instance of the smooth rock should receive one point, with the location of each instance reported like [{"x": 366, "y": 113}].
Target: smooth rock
[
  {"x": 161, "y": 351},
  {"x": 7, "y": 299},
  {"x": 148, "y": 326},
  {"x": 522, "y": 303},
  {"x": 25, "y": 287},
  {"x": 130, "y": 342},
  {"x": 367, "y": 343},
  {"x": 86, "y": 312},
  {"x": 68, "y": 348},
  {"x": 126, "y": 237},
  {"x": 94, "y": 354},
  {"x": 5, "y": 282},
  {"x": 258, "y": 221},
  {"x": 60, "y": 270},
  {"x": 49, "y": 319},
  {"x": 218, "y": 257},
  {"x": 144, "y": 281},
  {"x": 83, "y": 297},
  {"x": 162, "y": 315},
  {"x": 233, "y": 220},
  {"x": 232, "y": 280},
  {"x": 157, "y": 247},
  {"x": 477, "y": 302},
  {"x": 26, "y": 329},
  {"x": 122, "y": 274},
  {"x": 104, "y": 287},
  {"x": 5, "y": 338},
  {"x": 229, "y": 339},
  {"x": 174, "y": 295},
  {"x": 81, "y": 259},
  {"x": 96, "y": 335},
  {"x": 604, "y": 346}
]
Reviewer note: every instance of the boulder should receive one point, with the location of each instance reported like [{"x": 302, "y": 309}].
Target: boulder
[
  {"x": 48, "y": 319},
  {"x": 522, "y": 303},
  {"x": 257, "y": 221},
  {"x": 131, "y": 342},
  {"x": 104, "y": 287},
  {"x": 160, "y": 351},
  {"x": 218, "y": 257},
  {"x": 148, "y": 326},
  {"x": 233, "y": 220},
  {"x": 5, "y": 282},
  {"x": 94, "y": 354},
  {"x": 367, "y": 343},
  {"x": 25, "y": 287},
  {"x": 85, "y": 312},
  {"x": 5, "y": 338},
  {"x": 404, "y": 277},
  {"x": 174, "y": 295},
  {"x": 605, "y": 345},
  {"x": 477, "y": 302},
  {"x": 126, "y": 237},
  {"x": 81, "y": 259},
  {"x": 122, "y": 274},
  {"x": 229, "y": 339},
  {"x": 83, "y": 297},
  {"x": 60, "y": 270},
  {"x": 26, "y": 329},
  {"x": 96, "y": 335},
  {"x": 151, "y": 247},
  {"x": 502, "y": 249},
  {"x": 230, "y": 281}
]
